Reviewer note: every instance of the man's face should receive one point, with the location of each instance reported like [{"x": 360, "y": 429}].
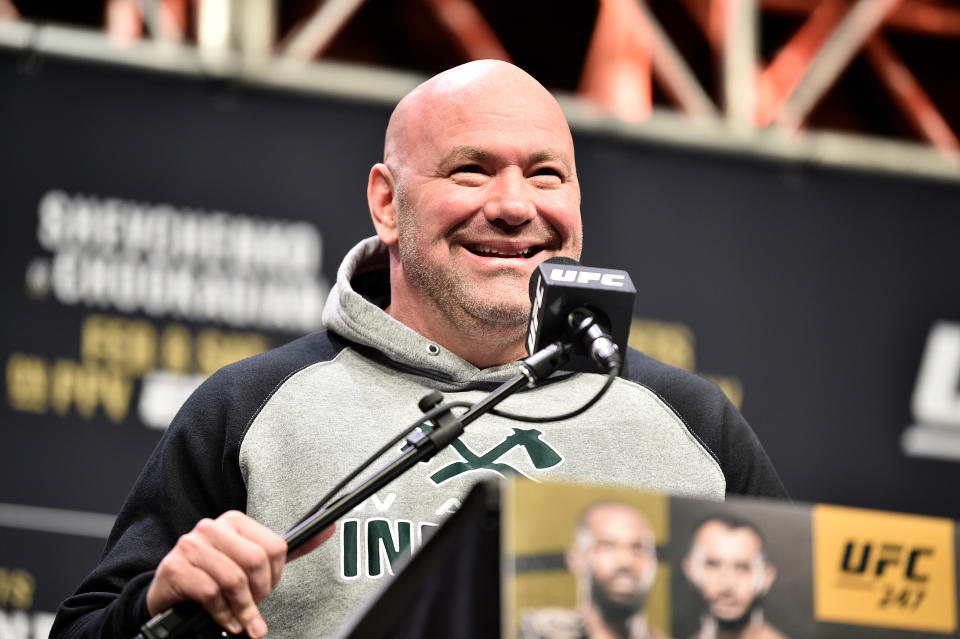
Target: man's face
[
  {"x": 486, "y": 190},
  {"x": 617, "y": 553},
  {"x": 727, "y": 567}
]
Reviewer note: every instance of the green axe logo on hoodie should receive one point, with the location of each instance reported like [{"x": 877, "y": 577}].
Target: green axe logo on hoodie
[{"x": 540, "y": 453}]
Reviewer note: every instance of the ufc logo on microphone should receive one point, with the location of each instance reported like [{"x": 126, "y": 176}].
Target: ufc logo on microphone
[{"x": 586, "y": 277}]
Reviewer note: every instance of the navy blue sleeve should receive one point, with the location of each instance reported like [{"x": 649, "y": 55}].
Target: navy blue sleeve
[
  {"x": 714, "y": 421},
  {"x": 193, "y": 473}
]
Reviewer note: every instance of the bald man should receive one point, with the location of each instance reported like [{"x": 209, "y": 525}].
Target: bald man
[
  {"x": 477, "y": 186},
  {"x": 614, "y": 559}
]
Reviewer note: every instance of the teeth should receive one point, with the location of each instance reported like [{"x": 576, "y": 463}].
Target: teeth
[{"x": 486, "y": 250}]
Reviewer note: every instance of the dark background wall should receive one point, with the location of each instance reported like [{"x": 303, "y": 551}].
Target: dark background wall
[{"x": 814, "y": 289}]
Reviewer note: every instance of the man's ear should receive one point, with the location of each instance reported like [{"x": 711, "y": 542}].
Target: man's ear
[
  {"x": 381, "y": 198},
  {"x": 574, "y": 560},
  {"x": 769, "y": 576}
]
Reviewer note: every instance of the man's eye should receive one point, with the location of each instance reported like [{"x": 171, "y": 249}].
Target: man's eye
[
  {"x": 548, "y": 170},
  {"x": 548, "y": 175},
  {"x": 469, "y": 168}
]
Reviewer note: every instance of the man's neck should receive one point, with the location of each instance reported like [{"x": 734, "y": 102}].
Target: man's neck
[
  {"x": 712, "y": 629},
  {"x": 480, "y": 344},
  {"x": 633, "y": 627}
]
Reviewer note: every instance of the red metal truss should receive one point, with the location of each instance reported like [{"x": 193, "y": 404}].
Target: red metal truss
[
  {"x": 460, "y": 18},
  {"x": 783, "y": 78},
  {"x": 616, "y": 72},
  {"x": 312, "y": 36},
  {"x": 910, "y": 97},
  {"x": 627, "y": 49},
  {"x": 173, "y": 18},
  {"x": 783, "y": 74},
  {"x": 470, "y": 29},
  {"x": 919, "y": 16},
  {"x": 124, "y": 19},
  {"x": 862, "y": 20},
  {"x": 8, "y": 11}
]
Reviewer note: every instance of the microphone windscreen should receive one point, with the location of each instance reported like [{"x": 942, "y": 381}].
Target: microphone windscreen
[{"x": 561, "y": 285}]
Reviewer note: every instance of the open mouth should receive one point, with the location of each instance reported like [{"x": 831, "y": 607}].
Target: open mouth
[{"x": 489, "y": 251}]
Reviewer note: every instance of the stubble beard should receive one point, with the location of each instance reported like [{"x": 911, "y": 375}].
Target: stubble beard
[
  {"x": 481, "y": 313},
  {"x": 616, "y": 611},
  {"x": 740, "y": 622}
]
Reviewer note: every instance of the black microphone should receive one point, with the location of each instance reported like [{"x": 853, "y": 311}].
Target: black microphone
[{"x": 589, "y": 307}]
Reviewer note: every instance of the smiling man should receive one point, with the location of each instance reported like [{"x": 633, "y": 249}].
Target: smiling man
[
  {"x": 469, "y": 199},
  {"x": 477, "y": 186}
]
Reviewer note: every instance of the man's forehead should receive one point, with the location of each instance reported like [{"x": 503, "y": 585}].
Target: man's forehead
[
  {"x": 717, "y": 537},
  {"x": 617, "y": 519},
  {"x": 467, "y": 94},
  {"x": 478, "y": 76}
]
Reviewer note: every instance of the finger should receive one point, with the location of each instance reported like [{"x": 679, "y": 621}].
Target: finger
[
  {"x": 272, "y": 544},
  {"x": 313, "y": 543},
  {"x": 178, "y": 580},
  {"x": 201, "y": 587},
  {"x": 232, "y": 580},
  {"x": 250, "y": 557}
]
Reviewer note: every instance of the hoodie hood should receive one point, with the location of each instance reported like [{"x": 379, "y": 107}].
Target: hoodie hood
[{"x": 352, "y": 313}]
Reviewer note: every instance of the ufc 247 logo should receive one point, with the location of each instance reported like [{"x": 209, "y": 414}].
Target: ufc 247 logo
[
  {"x": 872, "y": 560},
  {"x": 883, "y": 569},
  {"x": 580, "y": 276}
]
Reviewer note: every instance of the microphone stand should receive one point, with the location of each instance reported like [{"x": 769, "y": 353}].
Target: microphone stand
[{"x": 189, "y": 619}]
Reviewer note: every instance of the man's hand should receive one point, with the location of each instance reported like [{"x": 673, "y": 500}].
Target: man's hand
[{"x": 228, "y": 564}]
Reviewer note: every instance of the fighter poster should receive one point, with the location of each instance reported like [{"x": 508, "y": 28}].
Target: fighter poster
[{"x": 589, "y": 561}]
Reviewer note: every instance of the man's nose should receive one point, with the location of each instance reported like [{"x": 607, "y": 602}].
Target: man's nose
[
  {"x": 624, "y": 557},
  {"x": 509, "y": 200},
  {"x": 727, "y": 580}
]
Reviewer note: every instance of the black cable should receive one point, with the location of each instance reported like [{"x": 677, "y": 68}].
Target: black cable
[
  {"x": 612, "y": 375},
  {"x": 433, "y": 412}
]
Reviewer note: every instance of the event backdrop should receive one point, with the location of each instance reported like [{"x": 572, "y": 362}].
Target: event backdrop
[{"x": 156, "y": 227}]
